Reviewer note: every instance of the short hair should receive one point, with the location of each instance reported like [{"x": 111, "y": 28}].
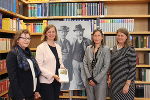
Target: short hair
[
  {"x": 125, "y": 31},
  {"x": 44, "y": 38},
  {"x": 98, "y": 30},
  {"x": 17, "y": 36}
]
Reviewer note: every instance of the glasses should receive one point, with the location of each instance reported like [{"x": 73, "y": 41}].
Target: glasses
[{"x": 25, "y": 38}]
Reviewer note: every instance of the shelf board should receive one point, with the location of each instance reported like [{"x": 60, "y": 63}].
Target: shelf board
[
  {"x": 142, "y": 49},
  {"x": 58, "y": 1},
  {"x": 12, "y": 13},
  {"x": 7, "y": 31},
  {"x": 33, "y": 49},
  {"x": 100, "y": 16},
  {"x": 143, "y": 66},
  {"x": 36, "y": 33},
  {"x": 79, "y": 97},
  {"x": 132, "y": 33},
  {"x": 64, "y": 96},
  {"x": 142, "y": 82},
  {"x": 3, "y": 72},
  {"x": 4, "y": 51},
  {"x": 3, "y": 93}
]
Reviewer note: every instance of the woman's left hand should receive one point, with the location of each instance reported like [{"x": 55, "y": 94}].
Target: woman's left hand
[
  {"x": 37, "y": 95},
  {"x": 125, "y": 89}
]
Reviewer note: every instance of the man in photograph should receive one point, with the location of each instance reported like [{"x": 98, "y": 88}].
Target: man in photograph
[
  {"x": 66, "y": 53},
  {"x": 78, "y": 48}
]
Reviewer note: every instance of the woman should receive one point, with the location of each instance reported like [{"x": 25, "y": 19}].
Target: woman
[
  {"x": 23, "y": 70},
  {"x": 49, "y": 58},
  {"x": 122, "y": 71},
  {"x": 95, "y": 65}
]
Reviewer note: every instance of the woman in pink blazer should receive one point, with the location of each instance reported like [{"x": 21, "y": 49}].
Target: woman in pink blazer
[{"x": 49, "y": 58}]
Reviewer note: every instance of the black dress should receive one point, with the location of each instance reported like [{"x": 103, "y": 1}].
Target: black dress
[{"x": 123, "y": 66}]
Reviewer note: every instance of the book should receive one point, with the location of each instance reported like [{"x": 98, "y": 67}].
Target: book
[{"x": 63, "y": 75}]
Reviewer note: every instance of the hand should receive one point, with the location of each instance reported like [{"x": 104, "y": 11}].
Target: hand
[
  {"x": 125, "y": 89},
  {"x": 109, "y": 82},
  {"x": 37, "y": 95},
  {"x": 56, "y": 77},
  {"x": 91, "y": 83}
]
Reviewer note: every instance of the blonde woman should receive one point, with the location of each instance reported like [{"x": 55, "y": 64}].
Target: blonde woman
[{"x": 49, "y": 58}]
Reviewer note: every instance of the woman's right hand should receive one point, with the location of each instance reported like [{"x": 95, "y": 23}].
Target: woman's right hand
[
  {"x": 56, "y": 77},
  {"x": 109, "y": 81}
]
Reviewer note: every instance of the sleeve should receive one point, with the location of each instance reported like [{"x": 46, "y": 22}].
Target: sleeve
[
  {"x": 85, "y": 64},
  {"x": 105, "y": 66},
  {"x": 40, "y": 60},
  {"x": 131, "y": 54},
  {"x": 11, "y": 64}
]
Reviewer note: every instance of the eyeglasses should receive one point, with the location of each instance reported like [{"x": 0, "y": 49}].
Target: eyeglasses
[{"x": 25, "y": 38}]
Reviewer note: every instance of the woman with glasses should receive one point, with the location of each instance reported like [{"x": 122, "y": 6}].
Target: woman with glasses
[
  {"x": 49, "y": 58},
  {"x": 23, "y": 70},
  {"x": 95, "y": 65}
]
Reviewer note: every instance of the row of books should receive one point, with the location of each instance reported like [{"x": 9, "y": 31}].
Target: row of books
[
  {"x": 5, "y": 44},
  {"x": 111, "y": 25},
  {"x": 4, "y": 84},
  {"x": 144, "y": 74},
  {"x": 142, "y": 91},
  {"x": 8, "y": 5},
  {"x": 66, "y": 9},
  {"x": 78, "y": 92},
  {"x": 140, "y": 41},
  {"x": 2, "y": 65}
]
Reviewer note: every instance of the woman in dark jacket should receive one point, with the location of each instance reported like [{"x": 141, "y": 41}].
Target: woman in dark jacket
[{"x": 23, "y": 70}]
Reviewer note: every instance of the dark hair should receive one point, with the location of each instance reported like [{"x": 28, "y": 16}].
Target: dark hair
[
  {"x": 125, "y": 31},
  {"x": 17, "y": 36},
  {"x": 97, "y": 30},
  {"x": 44, "y": 38}
]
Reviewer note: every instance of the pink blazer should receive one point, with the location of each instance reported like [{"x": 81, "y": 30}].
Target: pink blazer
[{"x": 47, "y": 62}]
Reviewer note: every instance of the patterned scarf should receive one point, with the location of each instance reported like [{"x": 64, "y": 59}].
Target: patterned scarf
[{"x": 22, "y": 60}]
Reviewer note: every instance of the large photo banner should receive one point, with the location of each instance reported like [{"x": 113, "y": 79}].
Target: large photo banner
[{"x": 73, "y": 37}]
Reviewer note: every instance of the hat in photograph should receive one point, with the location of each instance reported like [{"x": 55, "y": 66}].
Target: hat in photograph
[
  {"x": 79, "y": 28},
  {"x": 64, "y": 28}
]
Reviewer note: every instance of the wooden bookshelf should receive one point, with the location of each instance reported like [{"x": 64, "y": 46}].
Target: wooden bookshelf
[
  {"x": 88, "y": 17},
  {"x": 142, "y": 82},
  {"x": 3, "y": 72},
  {"x": 142, "y": 49},
  {"x": 58, "y": 1},
  {"x": 64, "y": 97},
  {"x": 12, "y": 13},
  {"x": 3, "y": 93},
  {"x": 143, "y": 66},
  {"x": 7, "y": 31},
  {"x": 4, "y": 51}
]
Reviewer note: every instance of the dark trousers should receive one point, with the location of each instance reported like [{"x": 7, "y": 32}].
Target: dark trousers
[
  {"x": 50, "y": 91},
  {"x": 27, "y": 98}
]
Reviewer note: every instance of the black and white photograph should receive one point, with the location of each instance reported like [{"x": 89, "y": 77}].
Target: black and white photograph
[{"x": 73, "y": 37}]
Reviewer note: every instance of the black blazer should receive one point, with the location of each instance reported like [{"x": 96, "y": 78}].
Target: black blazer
[{"x": 21, "y": 81}]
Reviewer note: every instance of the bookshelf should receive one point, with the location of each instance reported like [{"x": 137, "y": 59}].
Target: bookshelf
[{"x": 135, "y": 9}]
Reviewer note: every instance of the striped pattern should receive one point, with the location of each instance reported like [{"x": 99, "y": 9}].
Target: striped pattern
[{"x": 123, "y": 68}]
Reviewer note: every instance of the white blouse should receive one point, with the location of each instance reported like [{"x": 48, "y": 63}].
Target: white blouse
[{"x": 33, "y": 74}]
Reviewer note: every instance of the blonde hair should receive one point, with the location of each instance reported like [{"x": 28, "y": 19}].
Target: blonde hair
[
  {"x": 17, "y": 36},
  {"x": 125, "y": 31},
  {"x": 44, "y": 38}
]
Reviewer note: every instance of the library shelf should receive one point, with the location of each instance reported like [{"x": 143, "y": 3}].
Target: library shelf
[
  {"x": 64, "y": 97},
  {"x": 3, "y": 93},
  {"x": 59, "y": 1},
  {"x": 142, "y": 82},
  {"x": 33, "y": 49},
  {"x": 87, "y": 17},
  {"x": 142, "y": 49},
  {"x": 12, "y": 13},
  {"x": 4, "y": 51},
  {"x": 3, "y": 72},
  {"x": 113, "y": 33},
  {"x": 7, "y": 31},
  {"x": 143, "y": 66}
]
